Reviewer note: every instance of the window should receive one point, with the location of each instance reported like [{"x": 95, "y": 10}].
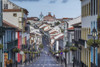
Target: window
[
  {"x": 89, "y": 8},
  {"x": 82, "y": 11},
  {"x": 15, "y": 15},
  {"x": 94, "y": 7},
  {"x": 85, "y": 10},
  {"x": 89, "y": 30},
  {"x": 80, "y": 34},
  {"x": 5, "y": 6},
  {"x": 12, "y": 36}
]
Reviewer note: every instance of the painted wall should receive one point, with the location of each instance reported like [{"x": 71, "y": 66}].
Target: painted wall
[
  {"x": 75, "y": 20},
  {"x": 10, "y": 4},
  {"x": 19, "y": 45},
  {"x": 8, "y": 16},
  {"x": 88, "y": 19},
  {"x": 96, "y": 56}
]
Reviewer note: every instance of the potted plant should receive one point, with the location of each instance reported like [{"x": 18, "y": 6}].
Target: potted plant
[
  {"x": 65, "y": 50},
  {"x": 59, "y": 52},
  {"x": 1, "y": 46},
  {"x": 25, "y": 52},
  {"x": 73, "y": 48},
  {"x": 90, "y": 42},
  {"x": 41, "y": 46},
  {"x": 35, "y": 52},
  {"x": 16, "y": 50}
]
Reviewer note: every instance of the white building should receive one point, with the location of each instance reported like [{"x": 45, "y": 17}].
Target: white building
[
  {"x": 57, "y": 42},
  {"x": 56, "y": 28},
  {"x": 13, "y": 16},
  {"x": 9, "y": 5},
  {"x": 36, "y": 37},
  {"x": 17, "y": 16},
  {"x": 70, "y": 37},
  {"x": 73, "y": 21}
]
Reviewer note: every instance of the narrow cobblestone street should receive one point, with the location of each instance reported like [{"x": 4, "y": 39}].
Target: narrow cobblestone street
[
  {"x": 49, "y": 33},
  {"x": 45, "y": 59}
]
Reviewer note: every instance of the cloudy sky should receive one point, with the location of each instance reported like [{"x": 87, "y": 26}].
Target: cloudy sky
[{"x": 61, "y": 8}]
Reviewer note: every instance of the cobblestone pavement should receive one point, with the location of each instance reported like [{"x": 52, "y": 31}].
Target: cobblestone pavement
[{"x": 45, "y": 59}]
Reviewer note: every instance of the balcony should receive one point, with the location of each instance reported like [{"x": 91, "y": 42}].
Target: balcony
[
  {"x": 12, "y": 44},
  {"x": 26, "y": 28},
  {"x": 2, "y": 30},
  {"x": 68, "y": 44},
  {"x": 24, "y": 46},
  {"x": 82, "y": 42}
]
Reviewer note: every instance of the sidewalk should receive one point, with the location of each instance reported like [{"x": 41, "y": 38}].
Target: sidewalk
[
  {"x": 70, "y": 65},
  {"x": 22, "y": 65}
]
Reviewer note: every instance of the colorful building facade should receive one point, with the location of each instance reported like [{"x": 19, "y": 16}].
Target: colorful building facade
[
  {"x": 17, "y": 16},
  {"x": 89, "y": 21}
]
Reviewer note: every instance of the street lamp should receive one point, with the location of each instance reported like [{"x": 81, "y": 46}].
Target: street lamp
[{"x": 94, "y": 34}]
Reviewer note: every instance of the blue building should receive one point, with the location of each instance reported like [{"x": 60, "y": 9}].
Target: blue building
[{"x": 9, "y": 40}]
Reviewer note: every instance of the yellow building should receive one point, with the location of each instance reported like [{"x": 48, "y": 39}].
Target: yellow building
[
  {"x": 89, "y": 19},
  {"x": 85, "y": 52}
]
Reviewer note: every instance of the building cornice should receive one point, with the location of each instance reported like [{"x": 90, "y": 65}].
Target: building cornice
[{"x": 12, "y": 10}]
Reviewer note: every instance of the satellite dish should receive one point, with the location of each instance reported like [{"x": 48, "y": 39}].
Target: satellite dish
[{"x": 21, "y": 52}]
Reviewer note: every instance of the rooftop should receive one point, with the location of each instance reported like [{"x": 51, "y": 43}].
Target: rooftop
[
  {"x": 32, "y": 18},
  {"x": 71, "y": 28},
  {"x": 10, "y": 25}
]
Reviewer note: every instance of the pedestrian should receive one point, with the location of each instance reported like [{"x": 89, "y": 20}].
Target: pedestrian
[
  {"x": 10, "y": 62},
  {"x": 31, "y": 58},
  {"x": 25, "y": 61},
  {"x": 7, "y": 63},
  {"x": 65, "y": 61},
  {"x": 57, "y": 58}
]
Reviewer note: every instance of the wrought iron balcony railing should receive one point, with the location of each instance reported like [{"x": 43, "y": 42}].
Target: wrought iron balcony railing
[
  {"x": 24, "y": 46},
  {"x": 2, "y": 31},
  {"x": 12, "y": 44}
]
